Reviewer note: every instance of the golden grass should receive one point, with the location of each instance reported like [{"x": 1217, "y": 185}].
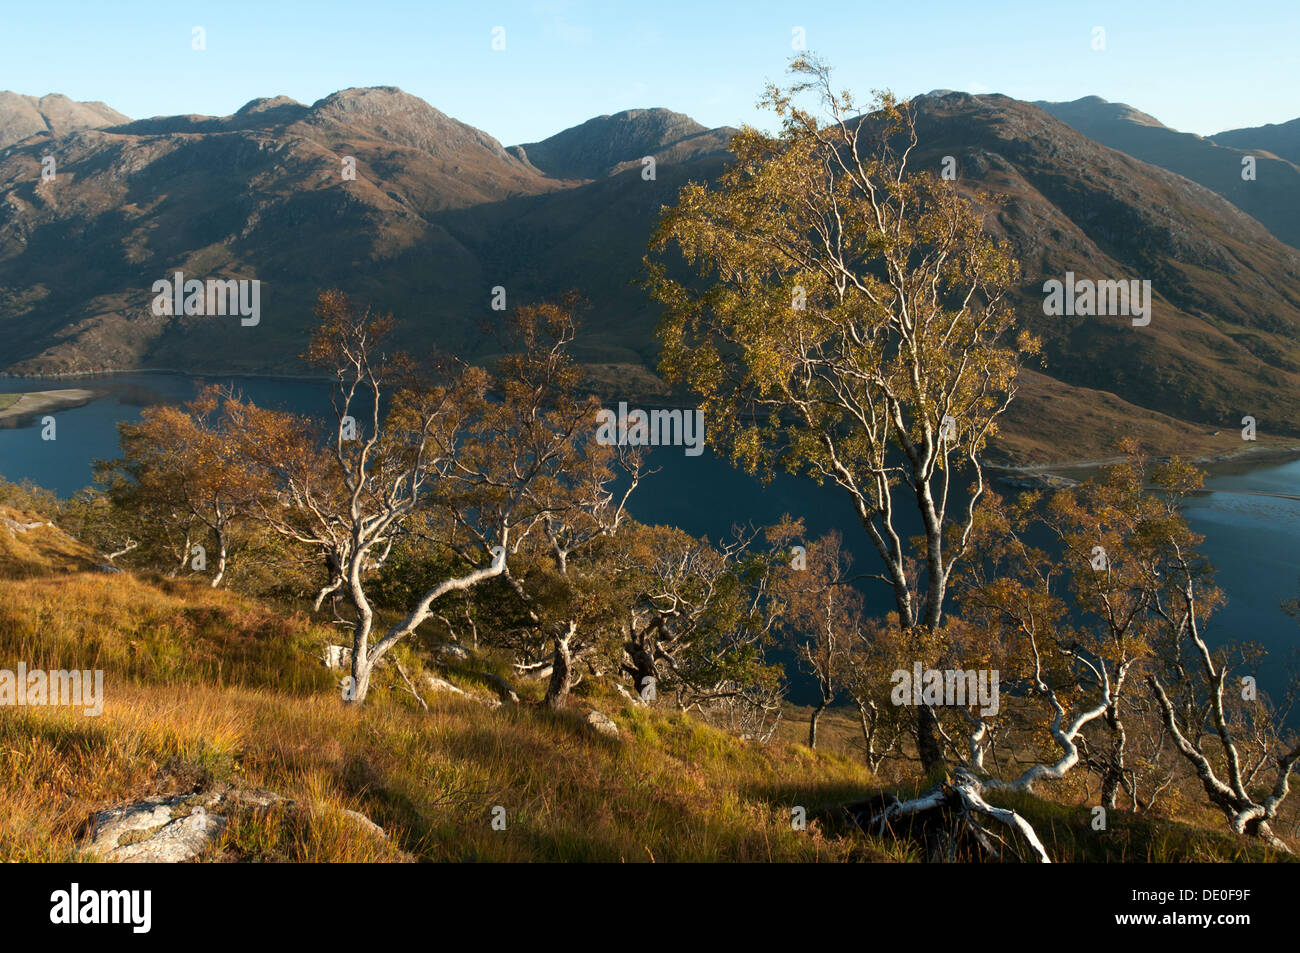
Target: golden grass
[
  {"x": 41, "y": 551},
  {"x": 669, "y": 789},
  {"x": 206, "y": 689}
]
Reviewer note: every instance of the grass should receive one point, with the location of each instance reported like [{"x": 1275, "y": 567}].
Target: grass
[
  {"x": 209, "y": 690},
  {"x": 206, "y": 688},
  {"x": 670, "y": 789},
  {"x": 1066, "y": 831}
]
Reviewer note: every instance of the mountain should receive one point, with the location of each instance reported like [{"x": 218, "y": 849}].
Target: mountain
[
  {"x": 1224, "y": 336},
  {"x": 439, "y": 214},
  {"x": 609, "y": 144},
  {"x": 23, "y": 116},
  {"x": 1281, "y": 139},
  {"x": 1272, "y": 197},
  {"x": 260, "y": 194}
]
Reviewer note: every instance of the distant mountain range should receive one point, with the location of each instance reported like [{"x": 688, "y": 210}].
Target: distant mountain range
[
  {"x": 440, "y": 213},
  {"x": 607, "y": 145},
  {"x": 1272, "y": 196},
  {"x": 1281, "y": 139},
  {"x": 24, "y": 116}
]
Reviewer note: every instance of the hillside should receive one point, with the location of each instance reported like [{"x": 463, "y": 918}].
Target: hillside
[
  {"x": 441, "y": 213},
  {"x": 1272, "y": 197},
  {"x": 210, "y": 691},
  {"x": 1224, "y": 335},
  {"x": 216, "y": 698},
  {"x": 1282, "y": 139},
  {"x": 23, "y": 116}
]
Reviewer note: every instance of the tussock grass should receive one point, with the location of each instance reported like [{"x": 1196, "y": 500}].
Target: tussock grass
[
  {"x": 166, "y": 632},
  {"x": 206, "y": 689},
  {"x": 669, "y": 788}
]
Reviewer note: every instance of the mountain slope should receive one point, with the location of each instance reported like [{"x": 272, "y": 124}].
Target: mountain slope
[
  {"x": 260, "y": 194},
  {"x": 22, "y": 116},
  {"x": 214, "y": 692},
  {"x": 1272, "y": 197},
  {"x": 1281, "y": 139},
  {"x": 607, "y": 144},
  {"x": 439, "y": 214},
  {"x": 1224, "y": 338}
]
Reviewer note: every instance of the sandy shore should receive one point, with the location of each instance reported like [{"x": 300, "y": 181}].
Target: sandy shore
[
  {"x": 45, "y": 401},
  {"x": 1072, "y": 471}
]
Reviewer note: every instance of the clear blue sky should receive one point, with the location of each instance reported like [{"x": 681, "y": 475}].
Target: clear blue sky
[{"x": 1197, "y": 66}]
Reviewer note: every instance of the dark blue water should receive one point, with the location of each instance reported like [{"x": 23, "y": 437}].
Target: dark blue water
[
  {"x": 1254, "y": 544},
  {"x": 1253, "y": 541},
  {"x": 88, "y": 433}
]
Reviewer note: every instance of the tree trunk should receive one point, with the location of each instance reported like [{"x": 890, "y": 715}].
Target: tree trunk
[
  {"x": 1111, "y": 780},
  {"x": 927, "y": 739},
  {"x": 185, "y": 557},
  {"x": 868, "y": 739},
  {"x": 640, "y": 665},
  {"x": 221, "y": 558},
  {"x": 557, "y": 692},
  {"x": 945, "y": 819},
  {"x": 362, "y": 663},
  {"x": 812, "y": 723},
  {"x": 361, "y": 669}
]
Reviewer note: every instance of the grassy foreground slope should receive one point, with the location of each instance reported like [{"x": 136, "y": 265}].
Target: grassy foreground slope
[
  {"x": 210, "y": 690},
  {"x": 207, "y": 688}
]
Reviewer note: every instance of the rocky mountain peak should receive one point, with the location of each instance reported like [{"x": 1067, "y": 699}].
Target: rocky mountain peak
[{"x": 22, "y": 116}]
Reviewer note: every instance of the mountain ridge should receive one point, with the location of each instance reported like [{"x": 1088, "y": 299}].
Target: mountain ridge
[
  {"x": 606, "y": 144},
  {"x": 440, "y": 213},
  {"x": 24, "y": 116},
  {"x": 1281, "y": 139},
  {"x": 1272, "y": 195}
]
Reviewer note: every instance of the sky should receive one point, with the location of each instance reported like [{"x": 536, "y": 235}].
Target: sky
[{"x": 1196, "y": 66}]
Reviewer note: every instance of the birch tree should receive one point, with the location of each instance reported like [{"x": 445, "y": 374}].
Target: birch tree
[
  {"x": 847, "y": 321},
  {"x": 697, "y": 620},
  {"x": 436, "y": 458},
  {"x": 1069, "y": 620},
  {"x": 575, "y": 498},
  {"x": 1235, "y": 744},
  {"x": 822, "y": 616},
  {"x": 874, "y": 654},
  {"x": 184, "y": 474}
]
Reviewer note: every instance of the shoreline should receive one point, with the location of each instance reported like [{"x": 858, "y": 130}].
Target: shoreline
[
  {"x": 1068, "y": 472},
  {"x": 33, "y": 403},
  {"x": 176, "y": 372},
  {"x": 1052, "y": 473}
]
